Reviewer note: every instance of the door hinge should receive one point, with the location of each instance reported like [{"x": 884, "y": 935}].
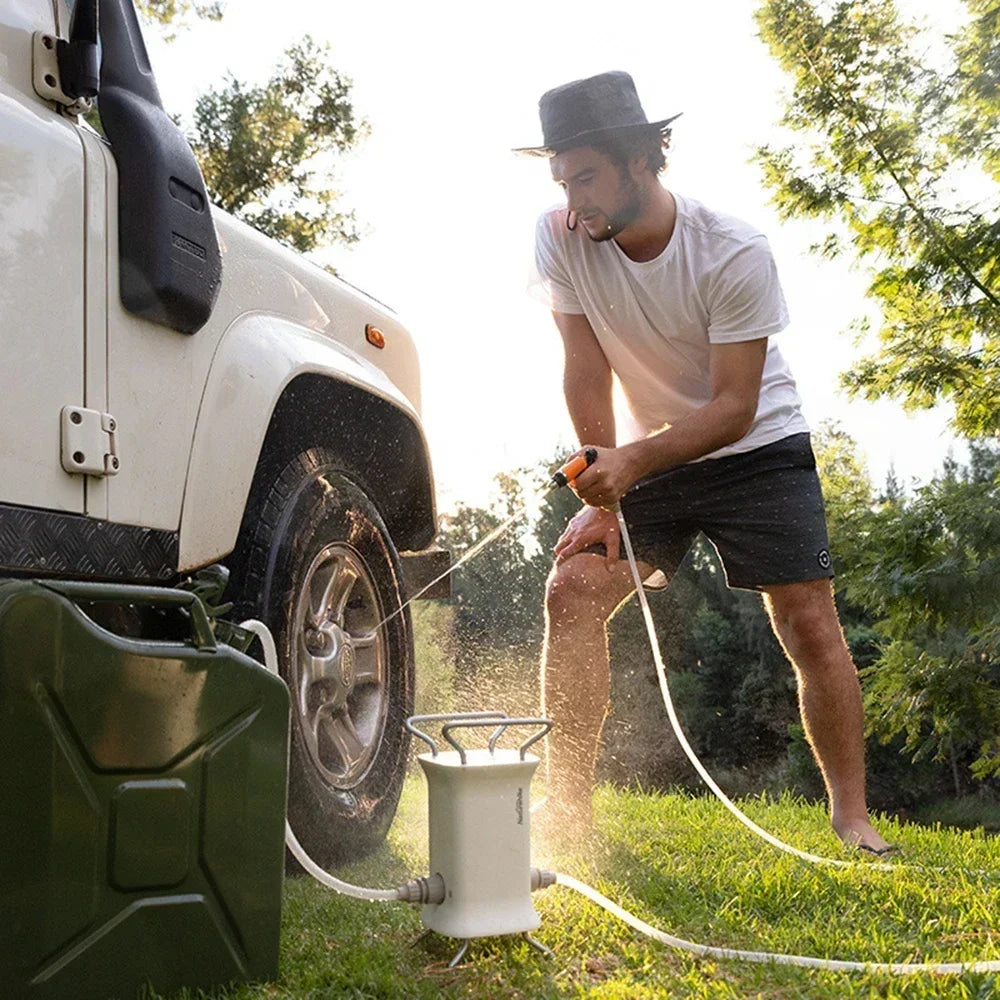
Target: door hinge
[
  {"x": 89, "y": 442},
  {"x": 46, "y": 77}
]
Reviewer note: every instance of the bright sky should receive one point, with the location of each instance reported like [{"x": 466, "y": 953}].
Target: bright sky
[{"x": 449, "y": 212}]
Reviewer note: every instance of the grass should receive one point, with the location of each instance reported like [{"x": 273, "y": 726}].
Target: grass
[
  {"x": 968, "y": 813},
  {"x": 683, "y": 864}
]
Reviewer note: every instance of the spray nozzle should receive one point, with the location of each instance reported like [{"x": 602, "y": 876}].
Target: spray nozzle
[{"x": 567, "y": 473}]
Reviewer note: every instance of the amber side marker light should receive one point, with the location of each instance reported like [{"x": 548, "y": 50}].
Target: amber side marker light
[{"x": 374, "y": 336}]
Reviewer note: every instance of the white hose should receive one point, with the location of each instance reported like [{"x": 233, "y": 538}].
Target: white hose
[
  {"x": 803, "y": 961},
  {"x": 298, "y": 851}
]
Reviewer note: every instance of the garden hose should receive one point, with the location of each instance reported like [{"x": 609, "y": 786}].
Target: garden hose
[{"x": 770, "y": 958}]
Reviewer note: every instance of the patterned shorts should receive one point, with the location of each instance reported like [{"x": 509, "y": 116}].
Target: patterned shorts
[{"x": 762, "y": 510}]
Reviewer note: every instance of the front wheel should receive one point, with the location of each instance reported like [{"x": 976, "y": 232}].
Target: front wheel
[{"x": 322, "y": 572}]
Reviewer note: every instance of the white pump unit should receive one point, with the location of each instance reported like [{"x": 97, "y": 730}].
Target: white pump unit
[{"x": 479, "y": 826}]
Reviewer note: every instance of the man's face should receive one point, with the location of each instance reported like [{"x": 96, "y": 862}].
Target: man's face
[{"x": 602, "y": 194}]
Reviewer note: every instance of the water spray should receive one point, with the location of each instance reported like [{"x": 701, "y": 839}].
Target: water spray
[
  {"x": 560, "y": 478},
  {"x": 481, "y": 877}
]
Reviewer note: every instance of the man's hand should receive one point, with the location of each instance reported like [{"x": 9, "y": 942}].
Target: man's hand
[
  {"x": 588, "y": 527},
  {"x": 603, "y": 483}
]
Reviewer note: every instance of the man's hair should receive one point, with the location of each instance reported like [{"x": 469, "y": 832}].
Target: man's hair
[{"x": 621, "y": 148}]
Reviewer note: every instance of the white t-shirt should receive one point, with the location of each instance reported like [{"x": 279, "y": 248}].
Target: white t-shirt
[{"x": 715, "y": 282}]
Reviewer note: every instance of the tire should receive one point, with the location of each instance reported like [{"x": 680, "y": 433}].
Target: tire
[{"x": 319, "y": 567}]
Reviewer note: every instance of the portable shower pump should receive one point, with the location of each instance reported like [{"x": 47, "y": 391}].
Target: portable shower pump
[{"x": 479, "y": 829}]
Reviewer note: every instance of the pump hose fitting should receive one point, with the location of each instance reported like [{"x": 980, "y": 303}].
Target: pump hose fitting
[
  {"x": 425, "y": 889},
  {"x": 541, "y": 879},
  {"x": 430, "y": 888}
]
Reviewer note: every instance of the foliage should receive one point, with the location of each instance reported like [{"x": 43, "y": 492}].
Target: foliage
[
  {"x": 169, "y": 14},
  {"x": 266, "y": 150},
  {"x": 733, "y": 686},
  {"x": 847, "y": 488},
  {"x": 744, "y": 702},
  {"x": 918, "y": 591},
  {"x": 435, "y": 683},
  {"x": 889, "y": 142},
  {"x": 920, "y": 607},
  {"x": 732, "y": 683},
  {"x": 931, "y": 577},
  {"x": 499, "y": 595}
]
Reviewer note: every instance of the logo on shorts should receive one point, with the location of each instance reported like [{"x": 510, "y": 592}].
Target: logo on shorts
[{"x": 823, "y": 558}]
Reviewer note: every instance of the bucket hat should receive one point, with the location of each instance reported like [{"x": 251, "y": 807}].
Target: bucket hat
[{"x": 589, "y": 110}]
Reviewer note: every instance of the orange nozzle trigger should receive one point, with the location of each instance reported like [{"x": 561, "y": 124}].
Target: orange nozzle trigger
[{"x": 574, "y": 467}]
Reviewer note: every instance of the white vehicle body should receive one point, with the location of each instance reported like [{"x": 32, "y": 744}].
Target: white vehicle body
[
  {"x": 192, "y": 412},
  {"x": 180, "y": 391}
]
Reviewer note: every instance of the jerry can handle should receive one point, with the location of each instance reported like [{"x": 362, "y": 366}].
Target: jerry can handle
[{"x": 122, "y": 593}]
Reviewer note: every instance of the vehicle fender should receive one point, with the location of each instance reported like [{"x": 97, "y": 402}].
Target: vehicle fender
[{"x": 256, "y": 358}]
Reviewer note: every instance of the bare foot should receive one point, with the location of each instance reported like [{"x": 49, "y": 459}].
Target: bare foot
[{"x": 860, "y": 833}]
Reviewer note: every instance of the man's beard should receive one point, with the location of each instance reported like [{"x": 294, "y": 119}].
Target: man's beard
[{"x": 629, "y": 210}]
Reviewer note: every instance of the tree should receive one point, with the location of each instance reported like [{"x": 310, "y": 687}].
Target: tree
[
  {"x": 500, "y": 593},
  {"x": 732, "y": 684},
  {"x": 919, "y": 600},
  {"x": 168, "y": 14},
  {"x": 739, "y": 693},
  {"x": 266, "y": 150},
  {"x": 930, "y": 576},
  {"x": 890, "y": 142}
]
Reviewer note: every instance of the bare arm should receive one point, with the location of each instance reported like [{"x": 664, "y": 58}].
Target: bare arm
[
  {"x": 586, "y": 381},
  {"x": 735, "y": 371}
]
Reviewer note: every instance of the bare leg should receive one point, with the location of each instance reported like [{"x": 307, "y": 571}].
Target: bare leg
[
  {"x": 805, "y": 620},
  {"x": 582, "y": 594}
]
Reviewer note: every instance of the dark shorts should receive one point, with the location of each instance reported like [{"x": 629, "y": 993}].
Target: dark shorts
[{"x": 762, "y": 510}]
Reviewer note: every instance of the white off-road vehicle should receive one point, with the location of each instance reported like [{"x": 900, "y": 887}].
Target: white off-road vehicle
[{"x": 180, "y": 391}]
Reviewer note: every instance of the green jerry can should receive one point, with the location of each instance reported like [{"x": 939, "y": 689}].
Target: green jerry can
[{"x": 144, "y": 785}]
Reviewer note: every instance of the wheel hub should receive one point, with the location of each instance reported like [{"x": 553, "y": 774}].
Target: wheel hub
[
  {"x": 340, "y": 669},
  {"x": 332, "y": 652},
  {"x": 347, "y": 666}
]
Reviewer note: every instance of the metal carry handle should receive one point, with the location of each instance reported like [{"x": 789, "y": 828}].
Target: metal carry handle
[
  {"x": 123, "y": 593},
  {"x": 410, "y": 723},
  {"x": 504, "y": 725}
]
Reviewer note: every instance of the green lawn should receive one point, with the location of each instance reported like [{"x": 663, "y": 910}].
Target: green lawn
[{"x": 684, "y": 865}]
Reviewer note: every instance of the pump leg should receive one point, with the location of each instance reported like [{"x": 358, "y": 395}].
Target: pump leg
[
  {"x": 538, "y": 946},
  {"x": 422, "y": 936},
  {"x": 460, "y": 955}
]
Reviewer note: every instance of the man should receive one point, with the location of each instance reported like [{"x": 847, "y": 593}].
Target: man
[{"x": 679, "y": 303}]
